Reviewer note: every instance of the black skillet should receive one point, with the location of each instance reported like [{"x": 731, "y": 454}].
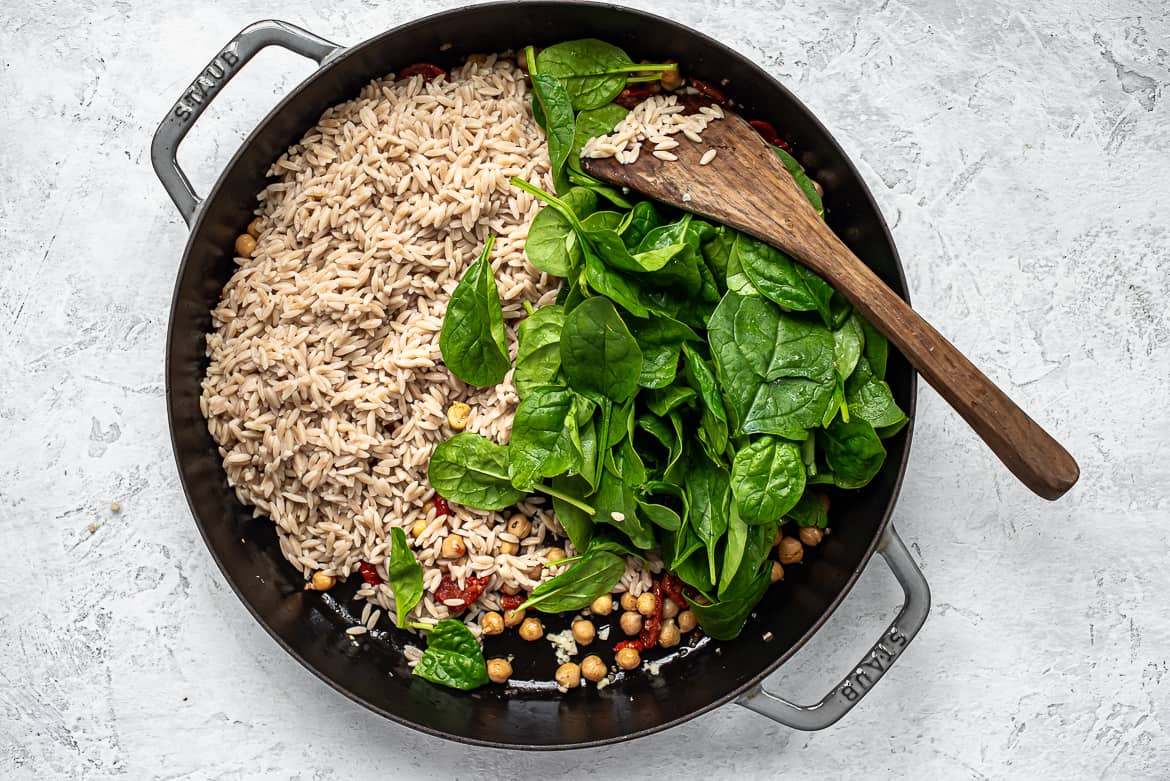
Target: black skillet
[{"x": 310, "y": 625}]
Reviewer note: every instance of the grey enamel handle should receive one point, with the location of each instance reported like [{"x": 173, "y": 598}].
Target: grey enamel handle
[
  {"x": 872, "y": 666},
  {"x": 197, "y": 97}
]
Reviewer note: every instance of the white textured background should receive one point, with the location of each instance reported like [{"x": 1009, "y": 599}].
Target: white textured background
[{"x": 1019, "y": 150}]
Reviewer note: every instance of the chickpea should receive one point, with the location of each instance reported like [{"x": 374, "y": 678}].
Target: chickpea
[
  {"x": 811, "y": 536},
  {"x": 628, "y": 658},
  {"x": 492, "y": 623},
  {"x": 602, "y": 606},
  {"x": 320, "y": 582},
  {"x": 629, "y": 601},
  {"x": 687, "y": 621},
  {"x": 777, "y": 572},
  {"x": 669, "y": 608},
  {"x": 556, "y": 554},
  {"x": 671, "y": 79},
  {"x": 508, "y": 548},
  {"x": 514, "y": 617},
  {"x": 584, "y": 631},
  {"x": 418, "y": 527},
  {"x": 511, "y": 589},
  {"x": 593, "y": 668},
  {"x": 245, "y": 245},
  {"x": 531, "y": 630},
  {"x": 569, "y": 675},
  {"x": 458, "y": 414},
  {"x": 669, "y": 636},
  {"x": 499, "y": 670},
  {"x": 453, "y": 547},
  {"x": 631, "y": 622},
  {"x": 254, "y": 228},
  {"x": 647, "y": 604},
  {"x": 519, "y": 526},
  {"x": 817, "y": 186},
  {"x": 779, "y": 536},
  {"x": 791, "y": 551}
]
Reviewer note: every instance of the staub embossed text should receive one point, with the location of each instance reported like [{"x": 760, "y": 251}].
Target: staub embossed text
[
  {"x": 207, "y": 82},
  {"x": 874, "y": 665}
]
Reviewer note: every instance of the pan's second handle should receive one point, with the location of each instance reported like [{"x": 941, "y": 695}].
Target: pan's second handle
[
  {"x": 197, "y": 97},
  {"x": 873, "y": 665}
]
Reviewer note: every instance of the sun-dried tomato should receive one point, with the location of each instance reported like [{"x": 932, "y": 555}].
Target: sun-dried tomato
[
  {"x": 441, "y": 506},
  {"x": 370, "y": 573},
  {"x": 632, "y": 96},
  {"x": 673, "y": 588},
  {"x": 428, "y": 71},
  {"x": 708, "y": 91},
  {"x": 511, "y": 601},
  {"x": 449, "y": 589},
  {"x": 635, "y": 644}
]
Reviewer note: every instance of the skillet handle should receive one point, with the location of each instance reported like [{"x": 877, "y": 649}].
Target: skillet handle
[
  {"x": 872, "y": 666},
  {"x": 197, "y": 97}
]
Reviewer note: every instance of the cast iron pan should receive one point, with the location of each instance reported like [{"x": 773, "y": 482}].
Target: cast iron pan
[{"x": 310, "y": 625}]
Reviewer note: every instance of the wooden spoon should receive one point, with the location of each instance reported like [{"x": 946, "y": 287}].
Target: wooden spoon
[{"x": 747, "y": 187}]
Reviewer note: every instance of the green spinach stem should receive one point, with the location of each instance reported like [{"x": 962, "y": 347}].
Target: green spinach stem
[{"x": 554, "y": 493}]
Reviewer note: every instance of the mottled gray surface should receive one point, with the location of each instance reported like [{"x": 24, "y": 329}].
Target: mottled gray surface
[{"x": 1020, "y": 152}]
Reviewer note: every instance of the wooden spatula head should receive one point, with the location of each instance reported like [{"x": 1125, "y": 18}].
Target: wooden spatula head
[{"x": 744, "y": 186}]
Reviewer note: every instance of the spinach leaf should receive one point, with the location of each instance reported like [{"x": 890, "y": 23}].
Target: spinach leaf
[
  {"x": 782, "y": 279},
  {"x": 555, "y": 116},
  {"x": 736, "y": 279},
  {"x": 594, "y": 72},
  {"x": 615, "y": 285},
  {"x": 617, "y": 506},
  {"x": 802, "y": 180},
  {"x": 776, "y": 372},
  {"x": 614, "y": 544},
  {"x": 642, "y": 219},
  {"x": 552, "y": 243},
  {"x": 472, "y": 339},
  {"x": 876, "y": 349},
  {"x": 453, "y": 657},
  {"x": 708, "y": 489},
  {"x": 582, "y": 179},
  {"x": 543, "y": 434},
  {"x": 717, "y": 251},
  {"x": 693, "y": 569},
  {"x": 599, "y": 356},
  {"x": 468, "y": 469},
  {"x": 597, "y": 572},
  {"x": 660, "y": 515},
  {"x": 847, "y": 345},
  {"x": 809, "y": 511},
  {"x": 871, "y": 399},
  {"x": 538, "y": 356},
  {"x": 577, "y": 523},
  {"x": 853, "y": 451},
  {"x": 404, "y": 574},
  {"x": 663, "y": 400},
  {"x": 713, "y": 422},
  {"x": 733, "y": 550},
  {"x": 724, "y": 619},
  {"x": 595, "y": 122},
  {"x": 767, "y": 479},
  {"x": 660, "y": 338}
]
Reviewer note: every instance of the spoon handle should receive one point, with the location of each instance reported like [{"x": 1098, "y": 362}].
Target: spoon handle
[{"x": 1030, "y": 452}]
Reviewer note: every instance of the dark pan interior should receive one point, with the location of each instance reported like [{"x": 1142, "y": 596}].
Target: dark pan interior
[{"x": 310, "y": 625}]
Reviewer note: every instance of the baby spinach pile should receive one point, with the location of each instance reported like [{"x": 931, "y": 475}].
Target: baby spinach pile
[{"x": 685, "y": 392}]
